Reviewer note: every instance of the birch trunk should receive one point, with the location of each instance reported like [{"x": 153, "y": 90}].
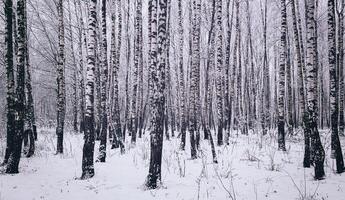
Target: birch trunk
[
  {"x": 282, "y": 66},
  {"x": 336, "y": 152},
  {"x": 219, "y": 59},
  {"x": 317, "y": 151},
  {"x": 89, "y": 135},
  {"x": 61, "y": 91},
  {"x": 341, "y": 66},
  {"x": 104, "y": 80},
  {"x": 301, "y": 83},
  {"x": 181, "y": 77},
  {"x": 30, "y": 132},
  {"x": 19, "y": 100},
  {"x": 115, "y": 60},
  {"x": 10, "y": 83},
  {"x": 157, "y": 69}
]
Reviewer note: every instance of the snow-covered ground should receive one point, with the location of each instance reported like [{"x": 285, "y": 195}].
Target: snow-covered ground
[{"x": 244, "y": 171}]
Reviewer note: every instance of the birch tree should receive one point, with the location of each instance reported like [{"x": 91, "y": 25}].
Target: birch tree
[
  {"x": 227, "y": 104},
  {"x": 336, "y": 152},
  {"x": 265, "y": 115},
  {"x": 30, "y": 132},
  {"x": 81, "y": 36},
  {"x": 317, "y": 151},
  {"x": 118, "y": 137},
  {"x": 137, "y": 63},
  {"x": 15, "y": 147},
  {"x": 340, "y": 66},
  {"x": 61, "y": 90},
  {"x": 75, "y": 71},
  {"x": 219, "y": 59},
  {"x": 301, "y": 82},
  {"x": 282, "y": 65},
  {"x": 141, "y": 111},
  {"x": 194, "y": 76},
  {"x": 181, "y": 77},
  {"x": 10, "y": 82},
  {"x": 158, "y": 11},
  {"x": 104, "y": 80},
  {"x": 89, "y": 135}
]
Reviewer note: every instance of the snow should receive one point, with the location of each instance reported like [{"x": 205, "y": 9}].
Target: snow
[{"x": 244, "y": 171}]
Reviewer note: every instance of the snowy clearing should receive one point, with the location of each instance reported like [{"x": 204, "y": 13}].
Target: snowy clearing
[{"x": 244, "y": 171}]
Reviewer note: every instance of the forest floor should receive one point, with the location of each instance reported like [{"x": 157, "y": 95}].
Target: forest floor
[{"x": 244, "y": 171}]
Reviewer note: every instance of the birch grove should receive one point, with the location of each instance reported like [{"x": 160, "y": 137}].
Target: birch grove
[{"x": 162, "y": 80}]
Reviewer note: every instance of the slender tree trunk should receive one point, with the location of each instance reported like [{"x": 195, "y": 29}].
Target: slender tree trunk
[
  {"x": 181, "y": 77},
  {"x": 301, "y": 83},
  {"x": 282, "y": 65},
  {"x": 238, "y": 64},
  {"x": 137, "y": 52},
  {"x": 10, "y": 98},
  {"x": 336, "y": 152},
  {"x": 288, "y": 82},
  {"x": 265, "y": 121},
  {"x": 341, "y": 66},
  {"x": 98, "y": 104},
  {"x": 157, "y": 68},
  {"x": 75, "y": 73},
  {"x": 104, "y": 80},
  {"x": 317, "y": 151},
  {"x": 19, "y": 101},
  {"x": 251, "y": 100},
  {"x": 219, "y": 58},
  {"x": 140, "y": 72},
  {"x": 79, "y": 17},
  {"x": 89, "y": 137},
  {"x": 228, "y": 108},
  {"x": 194, "y": 75},
  {"x": 30, "y": 124},
  {"x": 115, "y": 62},
  {"x": 233, "y": 81},
  {"x": 61, "y": 91},
  {"x": 128, "y": 102},
  {"x": 208, "y": 78},
  {"x": 168, "y": 115}
]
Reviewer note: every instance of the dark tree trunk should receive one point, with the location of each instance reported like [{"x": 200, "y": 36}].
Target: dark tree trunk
[
  {"x": 19, "y": 103},
  {"x": 336, "y": 152},
  {"x": 341, "y": 86},
  {"x": 10, "y": 79}
]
